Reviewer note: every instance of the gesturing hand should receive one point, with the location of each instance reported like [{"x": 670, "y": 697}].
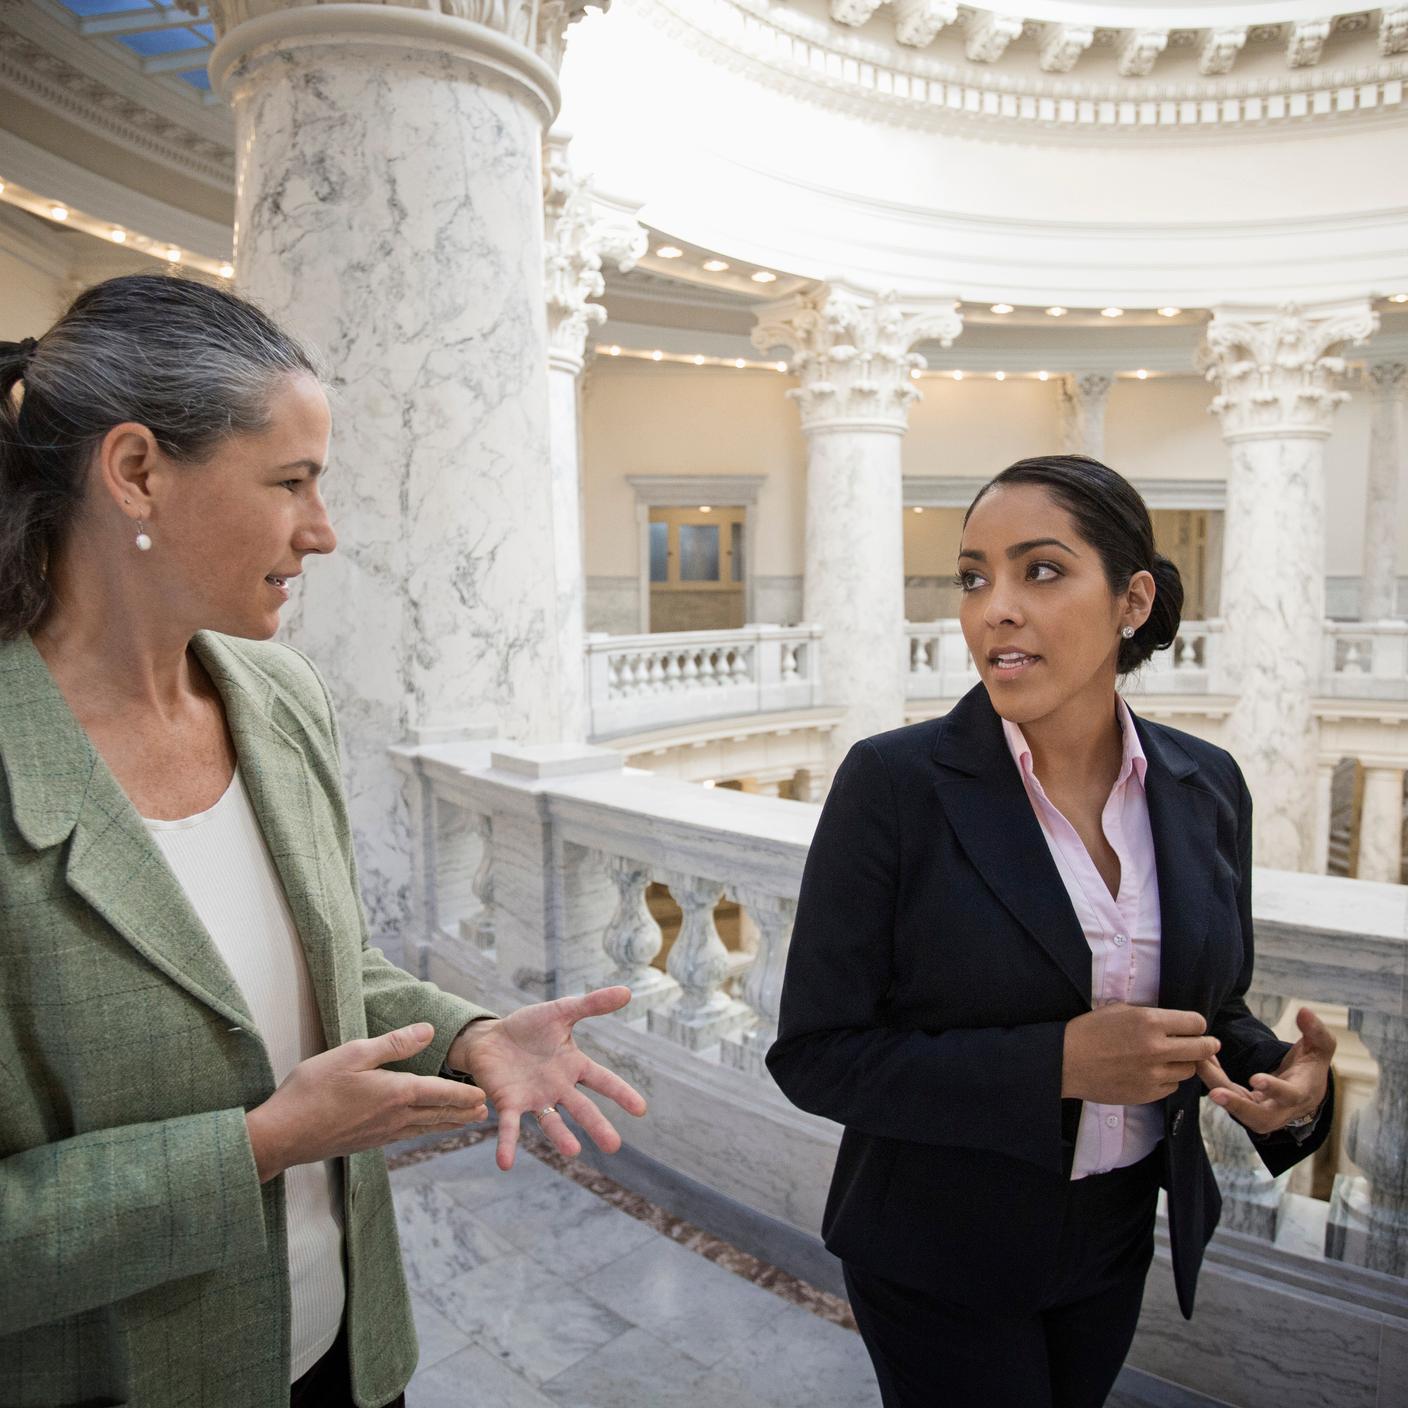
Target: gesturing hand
[
  {"x": 1296, "y": 1089},
  {"x": 1125, "y": 1055},
  {"x": 528, "y": 1061}
]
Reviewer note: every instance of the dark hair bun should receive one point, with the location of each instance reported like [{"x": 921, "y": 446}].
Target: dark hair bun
[{"x": 1161, "y": 629}]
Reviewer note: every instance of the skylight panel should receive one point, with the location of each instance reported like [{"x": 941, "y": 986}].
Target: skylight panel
[{"x": 162, "y": 41}]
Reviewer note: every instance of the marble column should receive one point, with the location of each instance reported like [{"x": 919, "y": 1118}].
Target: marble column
[
  {"x": 1276, "y": 372},
  {"x": 579, "y": 237},
  {"x": 389, "y": 211},
  {"x": 1377, "y": 593},
  {"x": 1083, "y": 399},
  {"x": 851, "y": 352},
  {"x": 1381, "y": 823}
]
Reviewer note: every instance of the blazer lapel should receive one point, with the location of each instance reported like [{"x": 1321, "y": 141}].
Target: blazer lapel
[
  {"x": 275, "y": 769},
  {"x": 982, "y": 794},
  {"x": 1183, "y": 819},
  {"x": 60, "y": 789}
]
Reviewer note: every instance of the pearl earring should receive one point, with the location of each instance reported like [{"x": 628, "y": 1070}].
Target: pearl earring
[
  {"x": 1128, "y": 633},
  {"x": 144, "y": 542}
]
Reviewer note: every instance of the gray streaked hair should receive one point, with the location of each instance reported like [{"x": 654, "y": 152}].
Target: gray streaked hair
[{"x": 193, "y": 363}]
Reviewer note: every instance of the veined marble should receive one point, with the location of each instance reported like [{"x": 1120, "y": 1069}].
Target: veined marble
[
  {"x": 1083, "y": 399},
  {"x": 389, "y": 212},
  {"x": 1388, "y": 381}
]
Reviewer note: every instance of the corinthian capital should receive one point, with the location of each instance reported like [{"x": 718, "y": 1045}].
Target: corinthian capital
[
  {"x": 1276, "y": 370},
  {"x": 578, "y": 238},
  {"x": 1388, "y": 380},
  {"x": 852, "y": 352}
]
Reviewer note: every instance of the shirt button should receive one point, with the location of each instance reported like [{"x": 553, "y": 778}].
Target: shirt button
[
  {"x": 1120, "y": 940},
  {"x": 1113, "y": 1121}
]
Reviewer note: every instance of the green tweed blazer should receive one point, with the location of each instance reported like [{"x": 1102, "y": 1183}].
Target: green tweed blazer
[{"x": 141, "y": 1261}]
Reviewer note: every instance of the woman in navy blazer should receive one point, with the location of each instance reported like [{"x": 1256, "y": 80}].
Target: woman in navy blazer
[{"x": 938, "y": 1000}]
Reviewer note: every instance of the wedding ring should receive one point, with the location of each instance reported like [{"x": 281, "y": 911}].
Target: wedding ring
[{"x": 545, "y": 1111}]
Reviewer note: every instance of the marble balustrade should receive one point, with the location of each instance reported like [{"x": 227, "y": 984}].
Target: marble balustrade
[
  {"x": 535, "y": 862},
  {"x": 649, "y": 680}
]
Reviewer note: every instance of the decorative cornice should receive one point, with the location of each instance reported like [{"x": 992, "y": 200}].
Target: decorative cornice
[
  {"x": 576, "y": 241},
  {"x": 1141, "y": 48},
  {"x": 1220, "y": 50},
  {"x": 1277, "y": 372},
  {"x": 851, "y": 352},
  {"x": 917, "y": 22},
  {"x": 678, "y": 490},
  {"x": 1063, "y": 44},
  {"x": 28, "y": 68}
]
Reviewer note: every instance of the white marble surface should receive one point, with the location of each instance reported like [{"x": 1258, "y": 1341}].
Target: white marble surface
[
  {"x": 1084, "y": 396},
  {"x": 1273, "y": 595},
  {"x": 1382, "y": 516},
  {"x": 854, "y": 584},
  {"x": 389, "y": 212},
  {"x": 1381, "y": 825}
]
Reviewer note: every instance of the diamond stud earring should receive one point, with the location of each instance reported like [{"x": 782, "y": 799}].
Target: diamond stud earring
[
  {"x": 1127, "y": 633},
  {"x": 144, "y": 542}
]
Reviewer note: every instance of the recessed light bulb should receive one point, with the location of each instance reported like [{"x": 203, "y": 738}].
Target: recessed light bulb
[
  {"x": 914, "y": 373},
  {"x": 706, "y": 508},
  {"x": 782, "y": 366},
  {"x": 1112, "y": 312},
  {"x": 227, "y": 271},
  {"x": 1169, "y": 312},
  {"x": 958, "y": 376},
  {"x": 1056, "y": 311},
  {"x": 1001, "y": 308},
  {"x": 118, "y": 236},
  {"x": 59, "y": 212},
  {"x": 698, "y": 359},
  {"x": 764, "y": 276},
  {"x": 1043, "y": 376},
  {"x": 1001, "y": 376},
  {"x": 919, "y": 508},
  {"x": 669, "y": 251},
  {"x": 739, "y": 362},
  {"x": 657, "y": 356},
  {"x": 1398, "y": 298},
  {"x": 715, "y": 266},
  {"x": 613, "y": 351},
  {"x": 1142, "y": 374}
]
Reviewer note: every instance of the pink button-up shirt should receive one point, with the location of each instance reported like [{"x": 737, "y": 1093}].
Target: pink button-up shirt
[{"x": 1123, "y": 930}]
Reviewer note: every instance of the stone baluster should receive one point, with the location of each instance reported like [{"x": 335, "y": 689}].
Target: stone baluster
[
  {"x": 1251, "y": 1197},
  {"x": 1368, "y": 1222},
  {"x": 851, "y": 352},
  {"x": 762, "y": 985},
  {"x": 703, "y": 1012},
  {"x": 478, "y": 928},
  {"x": 1277, "y": 371},
  {"x": 632, "y": 938}
]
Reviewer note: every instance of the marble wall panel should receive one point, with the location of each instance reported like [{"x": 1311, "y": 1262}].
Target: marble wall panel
[{"x": 613, "y": 605}]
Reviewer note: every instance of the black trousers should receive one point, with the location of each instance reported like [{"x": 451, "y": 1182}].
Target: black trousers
[
  {"x": 328, "y": 1384},
  {"x": 931, "y": 1352}
]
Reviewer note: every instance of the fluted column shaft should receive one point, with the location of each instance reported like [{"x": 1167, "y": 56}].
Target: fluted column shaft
[
  {"x": 851, "y": 353},
  {"x": 1276, "y": 372},
  {"x": 1387, "y": 381},
  {"x": 389, "y": 211}
]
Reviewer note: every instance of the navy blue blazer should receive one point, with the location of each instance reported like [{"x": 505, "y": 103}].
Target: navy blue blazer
[{"x": 935, "y": 961}]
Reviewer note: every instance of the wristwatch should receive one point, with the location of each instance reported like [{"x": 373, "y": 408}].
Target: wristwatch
[{"x": 1302, "y": 1121}]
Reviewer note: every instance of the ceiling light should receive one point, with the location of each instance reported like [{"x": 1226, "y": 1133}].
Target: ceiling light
[
  {"x": 657, "y": 355},
  {"x": 1056, "y": 311},
  {"x": 1112, "y": 312},
  {"x": 1169, "y": 312},
  {"x": 706, "y": 508},
  {"x": 698, "y": 359},
  {"x": 708, "y": 782},
  {"x": 782, "y": 366},
  {"x": 1398, "y": 298},
  {"x": 1043, "y": 376},
  {"x": 914, "y": 373},
  {"x": 59, "y": 212},
  {"x": 227, "y": 271},
  {"x": 118, "y": 236},
  {"x": 958, "y": 376},
  {"x": 1142, "y": 374},
  {"x": 1001, "y": 376},
  {"x": 614, "y": 351},
  {"x": 739, "y": 362},
  {"x": 668, "y": 251},
  {"x": 919, "y": 508},
  {"x": 173, "y": 255},
  {"x": 1001, "y": 308},
  {"x": 764, "y": 276},
  {"x": 715, "y": 266}
]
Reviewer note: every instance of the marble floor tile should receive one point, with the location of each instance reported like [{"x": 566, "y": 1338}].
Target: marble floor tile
[
  {"x": 688, "y": 1303},
  {"x": 439, "y": 1238},
  {"x": 637, "y": 1371},
  {"x": 473, "y": 1378},
  {"x": 438, "y": 1338},
  {"x": 535, "y": 1322},
  {"x": 797, "y": 1360},
  {"x": 567, "y": 1229},
  {"x": 472, "y": 1177}
]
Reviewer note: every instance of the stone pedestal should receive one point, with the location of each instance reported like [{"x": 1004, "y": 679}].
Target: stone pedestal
[
  {"x": 1084, "y": 396},
  {"x": 1382, "y": 514},
  {"x": 851, "y": 353},
  {"x": 389, "y": 212},
  {"x": 1276, "y": 372}
]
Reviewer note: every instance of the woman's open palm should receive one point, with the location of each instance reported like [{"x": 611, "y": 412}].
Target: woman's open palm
[{"x": 528, "y": 1063}]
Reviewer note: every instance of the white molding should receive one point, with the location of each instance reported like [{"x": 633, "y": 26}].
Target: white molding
[
  {"x": 959, "y": 490},
  {"x": 57, "y": 179},
  {"x": 20, "y": 244},
  {"x": 682, "y": 490}
]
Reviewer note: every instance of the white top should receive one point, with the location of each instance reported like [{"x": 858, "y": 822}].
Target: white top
[{"x": 223, "y": 864}]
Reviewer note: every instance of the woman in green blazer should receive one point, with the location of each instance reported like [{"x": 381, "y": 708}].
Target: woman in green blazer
[{"x": 160, "y": 449}]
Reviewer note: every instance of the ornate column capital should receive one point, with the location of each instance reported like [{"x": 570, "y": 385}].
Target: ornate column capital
[
  {"x": 578, "y": 237},
  {"x": 1083, "y": 398},
  {"x": 519, "y": 39},
  {"x": 851, "y": 352},
  {"x": 1387, "y": 380},
  {"x": 1276, "y": 369}
]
